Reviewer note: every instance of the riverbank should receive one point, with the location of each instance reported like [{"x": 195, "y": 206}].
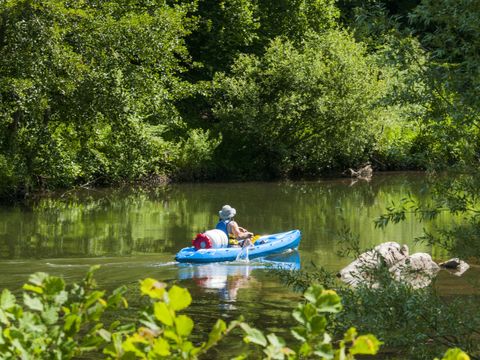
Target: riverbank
[{"x": 154, "y": 181}]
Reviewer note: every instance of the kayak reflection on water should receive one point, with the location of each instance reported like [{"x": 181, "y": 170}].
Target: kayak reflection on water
[{"x": 229, "y": 277}]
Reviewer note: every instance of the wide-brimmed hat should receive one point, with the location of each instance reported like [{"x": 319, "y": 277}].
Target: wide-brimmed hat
[{"x": 227, "y": 212}]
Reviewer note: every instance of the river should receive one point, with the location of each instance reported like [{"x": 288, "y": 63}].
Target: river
[{"x": 135, "y": 232}]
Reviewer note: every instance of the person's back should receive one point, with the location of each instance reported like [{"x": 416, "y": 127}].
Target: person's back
[
  {"x": 223, "y": 225},
  {"x": 230, "y": 227}
]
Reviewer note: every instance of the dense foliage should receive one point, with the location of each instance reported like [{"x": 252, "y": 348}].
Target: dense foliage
[
  {"x": 456, "y": 195},
  {"x": 87, "y": 91},
  {"x": 416, "y": 323},
  {"x": 59, "y": 321},
  {"x": 103, "y": 91},
  {"x": 300, "y": 109}
]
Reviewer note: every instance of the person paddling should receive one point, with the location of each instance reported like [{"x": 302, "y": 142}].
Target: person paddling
[{"x": 231, "y": 228}]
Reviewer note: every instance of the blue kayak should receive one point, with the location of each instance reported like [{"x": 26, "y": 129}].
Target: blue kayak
[{"x": 265, "y": 245}]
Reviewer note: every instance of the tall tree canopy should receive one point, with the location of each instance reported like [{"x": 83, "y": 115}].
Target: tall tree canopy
[
  {"x": 88, "y": 88},
  {"x": 299, "y": 110},
  {"x": 112, "y": 91}
]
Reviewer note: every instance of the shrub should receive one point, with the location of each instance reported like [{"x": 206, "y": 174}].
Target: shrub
[
  {"x": 299, "y": 109},
  {"x": 58, "y": 321}
]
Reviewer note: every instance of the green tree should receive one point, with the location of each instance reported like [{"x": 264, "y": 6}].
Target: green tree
[
  {"x": 229, "y": 28},
  {"x": 88, "y": 90},
  {"x": 225, "y": 29},
  {"x": 294, "y": 19},
  {"x": 299, "y": 110},
  {"x": 447, "y": 29}
]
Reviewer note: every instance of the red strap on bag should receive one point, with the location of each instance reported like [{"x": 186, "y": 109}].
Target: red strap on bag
[{"x": 202, "y": 241}]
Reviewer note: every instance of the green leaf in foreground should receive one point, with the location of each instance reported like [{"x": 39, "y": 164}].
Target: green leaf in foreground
[
  {"x": 365, "y": 345},
  {"x": 179, "y": 298},
  {"x": 152, "y": 288},
  {"x": 7, "y": 300},
  {"x": 162, "y": 313},
  {"x": 455, "y": 354},
  {"x": 184, "y": 325},
  {"x": 253, "y": 335}
]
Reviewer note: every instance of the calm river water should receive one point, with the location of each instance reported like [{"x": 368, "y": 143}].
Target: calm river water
[{"x": 135, "y": 233}]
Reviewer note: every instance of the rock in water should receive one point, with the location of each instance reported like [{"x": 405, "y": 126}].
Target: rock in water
[
  {"x": 418, "y": 269},
  {"x": 362, "y": 270},
  {"x": 455, "y": 266},
  {"x": 364, "y": 172}
]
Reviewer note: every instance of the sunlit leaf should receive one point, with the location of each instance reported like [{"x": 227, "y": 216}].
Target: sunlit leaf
[
  {"x": 7, "y": 300},
  {"x": 172, "y": 335},
  {"x": 184, "y": 325},
  {"x": 161, "y": 347},
  {"x": 329, "y": 301},
  {"x": 129, "y": 345},
  {"x": 233, "y": 324},
  {"x": 32, "y": 303},
  {"x": 309, "y": 311},
  {"x": 216, "y": 333},
  {"x": 305, "y": 349},
  {"x": 298, "y": 314},
  {"x": 93, "y": 297},
  {"x": 299, "y": 333},
  {"x": 365, "y": 345},
  {"x": 50, "y": 315},
  {"x": 324, "y": 351},
  {"x": 187, "y": 347},
  {"x": 72, "y": 323},
  {"x": 350, "y": 335},
  {"x": 152, "y": 288},
  {"x": 253, "y": 335},
  {"x": 105, "y": 335},
  {"x": 313, "y": 293},
  {"x": 240, "y": 357},
  {"x": 276, "y": 341},
  {"x": 36, "y": 289},
  {"x": 4, "y": 319},
  {"x": 179, "y": 298},
  {"x": 163, "y": 313},
  {"x": 61, "y": 298},
  {"x": 38, "y": 278},
  {"x": 455, "y": 354}
]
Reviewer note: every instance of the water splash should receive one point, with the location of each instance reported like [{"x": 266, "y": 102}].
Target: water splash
[{"x": 243, "y": 255}]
